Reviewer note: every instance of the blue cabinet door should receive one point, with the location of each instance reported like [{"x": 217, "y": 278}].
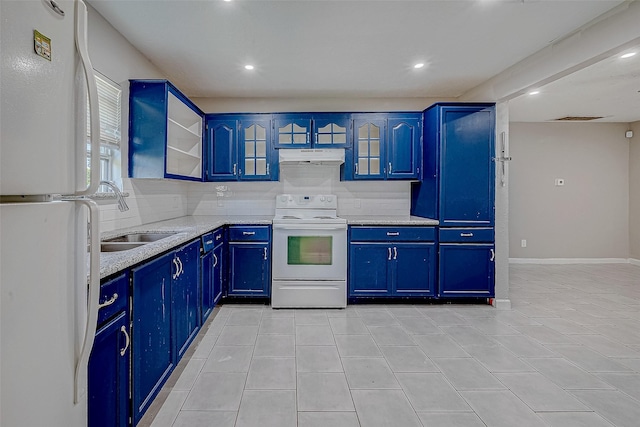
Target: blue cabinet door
[
  {"x": 219, "y": 270},
  {"x": 332, "y": 130},
  {"x": 153, "y": 350},
  {"x": 414, "y": 269},
  {"x": 403, "y": 146},
  {"x": 249, "y": 265},
  {"x": 466, "y": 166},
  {"x": 369, "y": 144},
  {"x": 466, "y": 270},
  {"x": 207, "y": 267},
  {"x": 369, "y": 269},
  {"x": 257, "y": 160},
  {"x": 292, "y": 130},
  {"x": 109, "y": 374},
  {"x": 222, "y": 140},
  {"x": 184, "y": 293}
]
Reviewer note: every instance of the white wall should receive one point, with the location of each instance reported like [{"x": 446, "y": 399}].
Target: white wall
[
  {"x": 588, "y": 217},
  {"x": 258, "y": 198},
  {"x": 150, "y": 200},
  {"x": 634, "y": 192}
]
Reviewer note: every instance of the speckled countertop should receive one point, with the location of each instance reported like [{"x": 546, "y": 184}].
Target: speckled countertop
[
  {"x": 388, "y": 220},
  {"x": 188, "y": 228}
]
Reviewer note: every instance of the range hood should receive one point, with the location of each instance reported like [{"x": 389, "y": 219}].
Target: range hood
[{"x": 313, "y": 156}]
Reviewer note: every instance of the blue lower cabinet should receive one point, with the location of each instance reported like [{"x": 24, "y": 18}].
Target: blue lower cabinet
[
  {"x": 249, "y": 261},
  {"x": 110, "y": 357},
  {"x": 369, "y": 272},
  {"x": 467, "y": 270},
  {"x": 382, "y": 266},
  {"x": 153, "y": 348},
  {"x": 184, "y": 293},
  {"x": 249, "y": 269}
]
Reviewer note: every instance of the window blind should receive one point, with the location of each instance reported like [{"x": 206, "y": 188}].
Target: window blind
[{"x": 109, "y": 95}]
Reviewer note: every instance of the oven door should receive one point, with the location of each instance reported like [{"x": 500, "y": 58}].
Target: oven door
[{"x": 309, "y": 252}]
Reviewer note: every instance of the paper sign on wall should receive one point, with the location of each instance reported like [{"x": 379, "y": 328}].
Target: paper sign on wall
[{"x": 42, "y": 45}]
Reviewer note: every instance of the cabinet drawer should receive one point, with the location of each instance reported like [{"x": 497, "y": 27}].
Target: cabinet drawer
[
  {"x": 212, "y": 239},
  {"x": 466, "y": 235},
  {"x": 249, "y": 234},
  {"x": 113, "y": 297},
  {"x": 393, "y": 234}
]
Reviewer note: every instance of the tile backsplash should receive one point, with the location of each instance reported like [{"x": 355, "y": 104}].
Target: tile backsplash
[{"x": 153, "y": 200}]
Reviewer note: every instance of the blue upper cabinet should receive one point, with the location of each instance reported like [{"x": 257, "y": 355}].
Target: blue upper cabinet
[
  {"x": 165, "y": 132},
  {"x": 312, "y": 130},
  {"x": 458, "y": 167},
  {"x": 292, "y": 130},
  {"x": 386, "y": 146},
  {"x": 403, "y": 146},
  {"x": 369, "y": 159},
  {"x": 239, "y": 148}
]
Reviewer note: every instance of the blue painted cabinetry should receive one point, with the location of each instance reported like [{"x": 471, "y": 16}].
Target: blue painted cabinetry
[
  {"x": 312, "y": 130},
  {"x": 165, "y": 317},
  {"x": 392, "y": 262},
  {"x": 165, "y": 132},
  {"x": 212, "y": 269},
  {"x": 239, "y": 147},
  {"x": 386, "y": 146},
  {"x": 457, "y": 188},
  {"x": 249, "y": 261},
  {"x": 109, "y": 361},
  {"x": 185, "y": 295}
]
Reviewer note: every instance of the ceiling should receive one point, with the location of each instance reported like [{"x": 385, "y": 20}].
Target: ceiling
[{"x": 362, "y": 48}]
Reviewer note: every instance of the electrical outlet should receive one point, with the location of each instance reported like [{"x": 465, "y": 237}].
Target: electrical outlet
[{"x": 523, "y": 243}]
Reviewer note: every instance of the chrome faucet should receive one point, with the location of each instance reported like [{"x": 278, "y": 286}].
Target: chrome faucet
[{"x": 122, "y": 205}]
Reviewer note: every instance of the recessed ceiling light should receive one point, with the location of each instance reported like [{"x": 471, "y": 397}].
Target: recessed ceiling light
[
  {"x": 534, "y": 92},
  {"x": 628, "y": 55},
  {"x": 419, "y": 65},
  {"x": 227, "y": 1},
  {"x": 249, "y": 67}
]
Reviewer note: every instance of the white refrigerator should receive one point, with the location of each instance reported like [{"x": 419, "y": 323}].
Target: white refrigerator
[{"x": 49, "y": 235}]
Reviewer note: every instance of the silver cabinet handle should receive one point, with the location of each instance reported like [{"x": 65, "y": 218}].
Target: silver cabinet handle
[
  {"x": 215, "y": 260},
  {"x": 493, "y": 255},
  {"x": 248, "y": 233},
  {"x": 175, "y": 275},
  {"x": 218, "y": 237},
  {"x": 393, "y": 233},
  {"x": 235, "y": 168},
  {"x": 356, "y": 169},
  {"x": 208, "y": 242},
  {"x": 267, "y": 168},
  {"x": 181, "y": 269},
  {"x": 466, "y": 234},
  {"x": 389, "y": 167},
  {"x": 107, "y": 303},
  {"x": 395, "y": 253},
  {"x": 389, "y": 256},
  {"x": 265, "y": 253},
  {"x": 123, "y": 329}
]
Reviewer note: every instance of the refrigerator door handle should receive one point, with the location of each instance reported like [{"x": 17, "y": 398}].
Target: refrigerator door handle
[
  {"x": 82, "y": 366},
  {"x": 94, "y": 112}
]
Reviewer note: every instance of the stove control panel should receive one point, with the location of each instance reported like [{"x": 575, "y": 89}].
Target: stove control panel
[{"x": 307, "y": 201}]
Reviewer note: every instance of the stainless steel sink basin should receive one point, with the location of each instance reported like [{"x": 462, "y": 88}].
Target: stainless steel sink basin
[
  {"x": 119, "y": 246},
  {"x": 141, "y": 238}
]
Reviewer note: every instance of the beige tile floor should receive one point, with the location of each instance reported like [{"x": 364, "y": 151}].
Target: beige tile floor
[{"x": 566, "y": 355}]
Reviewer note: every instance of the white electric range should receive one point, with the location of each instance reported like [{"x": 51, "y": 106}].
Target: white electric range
[{"x": 309, "y": 253}]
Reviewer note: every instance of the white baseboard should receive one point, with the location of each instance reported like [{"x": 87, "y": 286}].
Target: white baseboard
[
  {"x": 501, "y": 304},
  {"x": 573, "y": 261},
  {"x": 634, "y": 261}
]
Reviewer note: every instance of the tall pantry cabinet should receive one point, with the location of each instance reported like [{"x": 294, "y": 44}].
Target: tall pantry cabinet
[{"x": 457, "y": 188}]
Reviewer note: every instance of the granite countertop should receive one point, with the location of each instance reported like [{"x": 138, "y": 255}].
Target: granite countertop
[
  {"x": 188, "y": 228},
  {"x": 388, "y": 220}
]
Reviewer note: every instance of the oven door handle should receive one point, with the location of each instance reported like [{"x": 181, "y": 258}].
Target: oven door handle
[{"x": 303, "y": 227}]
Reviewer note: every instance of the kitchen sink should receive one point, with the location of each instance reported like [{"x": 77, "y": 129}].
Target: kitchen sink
[
  {"x": 119, "y": 246},
  {"x": 140, "y": 238},
  {"x": 131, "y": 241}
]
